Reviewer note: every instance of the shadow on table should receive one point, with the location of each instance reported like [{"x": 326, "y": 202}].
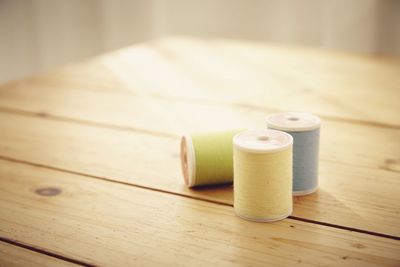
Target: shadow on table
[{"x": 320, "y": 207}]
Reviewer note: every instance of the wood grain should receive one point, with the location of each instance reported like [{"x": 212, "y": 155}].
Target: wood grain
[
  {"x": 117, "y": 117},
  {"x": 347, "y": 86},
  {"x": 168, "y": 117},
  {"x": 351, "y": 196},
  {"x": 13, "y": 256},
  {"x": 110, "y": 224}
]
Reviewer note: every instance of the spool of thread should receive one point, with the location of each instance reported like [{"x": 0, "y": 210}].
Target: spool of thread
[
  {"x": 305, "y": 130},
  {"x": 207, "y": 159},
  {"x": 262, "y": 161}
]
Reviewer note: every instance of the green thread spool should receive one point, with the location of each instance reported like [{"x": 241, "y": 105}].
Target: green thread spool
[
  {"x": 262, "y": 175},
  {"x": 207, "y": 159}
]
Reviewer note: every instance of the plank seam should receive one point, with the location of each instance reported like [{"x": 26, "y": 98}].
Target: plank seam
[
  {"x": 327, "y": 117},
  {"x": 347, "y": 228},
  {"x": 84, "y": 122},
  {"x": 243, "y": 106},
  {"x": 45, "y": 252},
  {"x": 133, "y": 129}
]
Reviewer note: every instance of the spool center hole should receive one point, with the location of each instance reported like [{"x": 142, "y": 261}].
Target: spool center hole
[
  {"x": 185, "y": 159},
  {"x": 293, "y": 118},
  {"x": 263, "y": 138}
]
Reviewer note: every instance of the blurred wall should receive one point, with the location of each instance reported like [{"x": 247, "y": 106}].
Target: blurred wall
[{"x": 36, "y": 35}]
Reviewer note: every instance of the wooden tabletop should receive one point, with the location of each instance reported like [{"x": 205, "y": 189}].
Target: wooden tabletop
[{"x": 90, "y": 170}]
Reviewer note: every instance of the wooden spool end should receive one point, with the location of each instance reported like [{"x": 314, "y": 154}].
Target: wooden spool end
[{"x": 188, "y": 160}]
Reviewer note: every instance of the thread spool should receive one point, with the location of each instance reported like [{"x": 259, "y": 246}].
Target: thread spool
[
  {"x": 207, "y": 159},
  {"x": 305, "y": 130},
  {"x": 262, "y": 161}
]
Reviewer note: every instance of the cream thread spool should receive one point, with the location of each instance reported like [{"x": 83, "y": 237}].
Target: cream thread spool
[
  {"x": 305, "y": 130},
  {"x": 207, "y": 158},
  {"x": 262, "y": 161}
]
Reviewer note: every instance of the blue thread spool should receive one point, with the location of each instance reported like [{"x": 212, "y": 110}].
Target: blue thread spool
[{"x": 304, "y": 128}]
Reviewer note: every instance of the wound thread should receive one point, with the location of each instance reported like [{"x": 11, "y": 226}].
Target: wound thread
[
  {"x": 207, "y": 159},
  {"x": 305, "y": 130},
  {"x": 262, "y": 175}
]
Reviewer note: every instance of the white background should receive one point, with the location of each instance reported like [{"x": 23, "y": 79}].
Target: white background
[{"x": 36, "y": 35}]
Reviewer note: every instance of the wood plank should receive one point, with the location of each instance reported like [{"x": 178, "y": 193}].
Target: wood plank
[
  {"x": 13, "y": 256},
  {"x": 172, "y": 118},
  {"x": 350, "y": 196},
  {"x": 332, "y": 84},
  {"x": 117, "y": 225}
]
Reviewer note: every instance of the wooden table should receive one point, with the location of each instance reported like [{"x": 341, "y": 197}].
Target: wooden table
[{"x": 90, "y": 171}]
